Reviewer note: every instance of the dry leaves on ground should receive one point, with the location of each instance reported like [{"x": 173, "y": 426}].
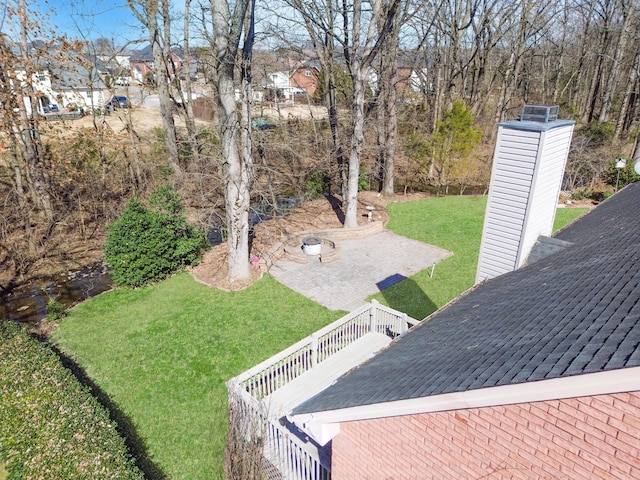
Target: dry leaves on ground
[{"x": 323, "y": 213}]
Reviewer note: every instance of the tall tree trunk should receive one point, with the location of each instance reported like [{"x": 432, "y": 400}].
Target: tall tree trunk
[
  {"x": 236, "y": 166},
  {"x": 625, "y": 105},
  {"x": 386, "y": 136},
  {"x": 334, "y": 125},
  {"x": 236, "y": 181},
  {"x": 162, "y": 62},
  {"x": 23, "y": 205},
  {"x": 614, "y": 71},
  {"x": 187, "y": 101},
  {"x": 559, "y": 64},
  {"x": 601, "y": 59},
  {"x": 387, "y": 115},
  {"x": 27, "y": 132},
  {"x": 159, "y": 40},
  {"x": 357, "y": 140}
]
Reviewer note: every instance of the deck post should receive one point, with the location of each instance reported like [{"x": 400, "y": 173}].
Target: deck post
[
  {"x": 314, "y": 350},
  {"x": 403, "y": 324},
  {"x": 372, "y": 316}
]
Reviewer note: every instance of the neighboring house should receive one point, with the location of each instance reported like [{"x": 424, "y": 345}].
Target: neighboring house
[
  {"x": 113, "y": 64},
  {"x": 142, "y": 65},
  {"x": 41, "y": 85},
  {"x": 305, "y": 78},
  {"x": 66, "y": 86},
  {"x": 414, "y": 73},
  {"x": 77, "y": 87},
  {"x": 38, "y": 81},
  {"x": 276, "y": 88},
  {"x": 278, "y": 80},
  {"x": 531, "y": 374}
]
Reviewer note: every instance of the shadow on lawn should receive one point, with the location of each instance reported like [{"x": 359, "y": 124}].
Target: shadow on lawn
[
  {"x": 405, "y": 295},
  {"x": 125, "y": 427}
]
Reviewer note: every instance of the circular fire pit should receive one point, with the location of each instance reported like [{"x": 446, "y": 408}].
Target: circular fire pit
[{"x": 312, "y": 245}]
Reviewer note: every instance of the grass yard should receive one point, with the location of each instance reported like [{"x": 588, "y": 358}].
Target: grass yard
[
  {"x": 162, "y": 353},
  {"x": 452, "y": 223}
]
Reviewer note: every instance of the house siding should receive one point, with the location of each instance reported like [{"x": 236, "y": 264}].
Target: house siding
[
  {"x": 511, "y": 179},
  {"x": 546, "y": 190},
  {"x": 577, "y": 438},
  {"x": 300, "y": 80},
  {"x": 525, "y": 183}
]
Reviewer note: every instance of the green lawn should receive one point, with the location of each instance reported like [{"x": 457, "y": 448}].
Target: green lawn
[
  {"x": 162, "y": 353},
  {"x": 455, "y": 224}
]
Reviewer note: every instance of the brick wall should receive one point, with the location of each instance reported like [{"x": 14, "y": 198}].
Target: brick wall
[
  {"x": 301, "y": 80},
  {"x": 580, "y": 438}
]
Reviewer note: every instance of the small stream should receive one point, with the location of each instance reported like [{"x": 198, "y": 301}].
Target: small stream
[{"x": 28, "y": 303}]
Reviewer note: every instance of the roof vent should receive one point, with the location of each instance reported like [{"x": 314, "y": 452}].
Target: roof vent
[{"x": 539, "y": 113}]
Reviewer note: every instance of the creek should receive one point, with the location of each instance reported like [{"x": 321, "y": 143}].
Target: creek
[{"x": 28, "y": 303}]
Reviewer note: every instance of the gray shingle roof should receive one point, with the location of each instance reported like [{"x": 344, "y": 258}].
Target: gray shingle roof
[{"x": 576, "y": 311}]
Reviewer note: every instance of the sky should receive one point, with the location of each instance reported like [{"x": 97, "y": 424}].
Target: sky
[
  {"x": 91, "y": 19},
  {"x": 94, "y": 19}
]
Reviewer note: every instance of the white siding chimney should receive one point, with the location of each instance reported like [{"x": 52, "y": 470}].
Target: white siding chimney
[{"x": 528, "y": 166}]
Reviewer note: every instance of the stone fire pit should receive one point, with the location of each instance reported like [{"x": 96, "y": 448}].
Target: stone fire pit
[
  {"x": 312, "y": 245},
  {"x": 300, "y": 249}
]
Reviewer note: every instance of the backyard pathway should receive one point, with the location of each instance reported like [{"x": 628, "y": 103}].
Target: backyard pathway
[{"x": 365, "y": 266}]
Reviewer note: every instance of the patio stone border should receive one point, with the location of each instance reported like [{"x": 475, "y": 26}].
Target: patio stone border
[{"x": 288, "y": 246}]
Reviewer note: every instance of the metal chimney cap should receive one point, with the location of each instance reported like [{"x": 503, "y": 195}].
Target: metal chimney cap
[{"x": 539, "y": 113}]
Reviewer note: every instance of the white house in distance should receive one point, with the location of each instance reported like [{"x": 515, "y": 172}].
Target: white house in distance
[
  {"x": 280, "y": 84},
  {"x": 71, "y": 89},
  {"x": 79, "y": 87}
]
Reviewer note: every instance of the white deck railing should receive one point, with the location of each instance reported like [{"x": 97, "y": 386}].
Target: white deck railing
[{"x": 293, "y": 458}]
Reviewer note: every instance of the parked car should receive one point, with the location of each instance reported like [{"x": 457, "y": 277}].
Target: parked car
[
  {"x": 119, "y": 101},
  {"x": 124, "y": 81},
  {"x": 52, "y": 107}
]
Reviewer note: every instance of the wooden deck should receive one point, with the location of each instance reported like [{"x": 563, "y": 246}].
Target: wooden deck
[{"x": 324, "y": 374}]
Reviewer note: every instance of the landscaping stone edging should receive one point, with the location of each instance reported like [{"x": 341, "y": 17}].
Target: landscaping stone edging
[
  {"x": 294, "y": 252},
  {"x": 287, "y": 245}
]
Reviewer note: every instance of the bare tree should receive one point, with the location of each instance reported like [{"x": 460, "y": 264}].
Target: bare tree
[
  {"x": 188, "y": 101},
  {"x": 359, "y": 29},
  {"x": 18, "y": 68},
  {"x": 529, "y": 21},
  {"x": 156, "y": 18},
  {"x": 360, "y": 50},
  {"x": 619, "y": 51},
  {"x": 386, "y": 97},
  {"x": 624, "y": 119},
  {"x": 319, "y": 21},
  {"x": 237, "y": 158}
]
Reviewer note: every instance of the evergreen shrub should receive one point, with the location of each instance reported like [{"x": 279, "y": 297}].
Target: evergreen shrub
[
  {"x": 56, "y": 311},
  {"x": 146, "y": 244},
  {"x": 317, "y": 183},
  {"x": 621, "y": 177},
  {"x": 50, "y": 425}
]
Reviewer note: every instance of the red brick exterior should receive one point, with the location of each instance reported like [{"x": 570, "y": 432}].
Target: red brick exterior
[
  {"x": 579, "y": 438},
  {"x": 305, "y": 78}
]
